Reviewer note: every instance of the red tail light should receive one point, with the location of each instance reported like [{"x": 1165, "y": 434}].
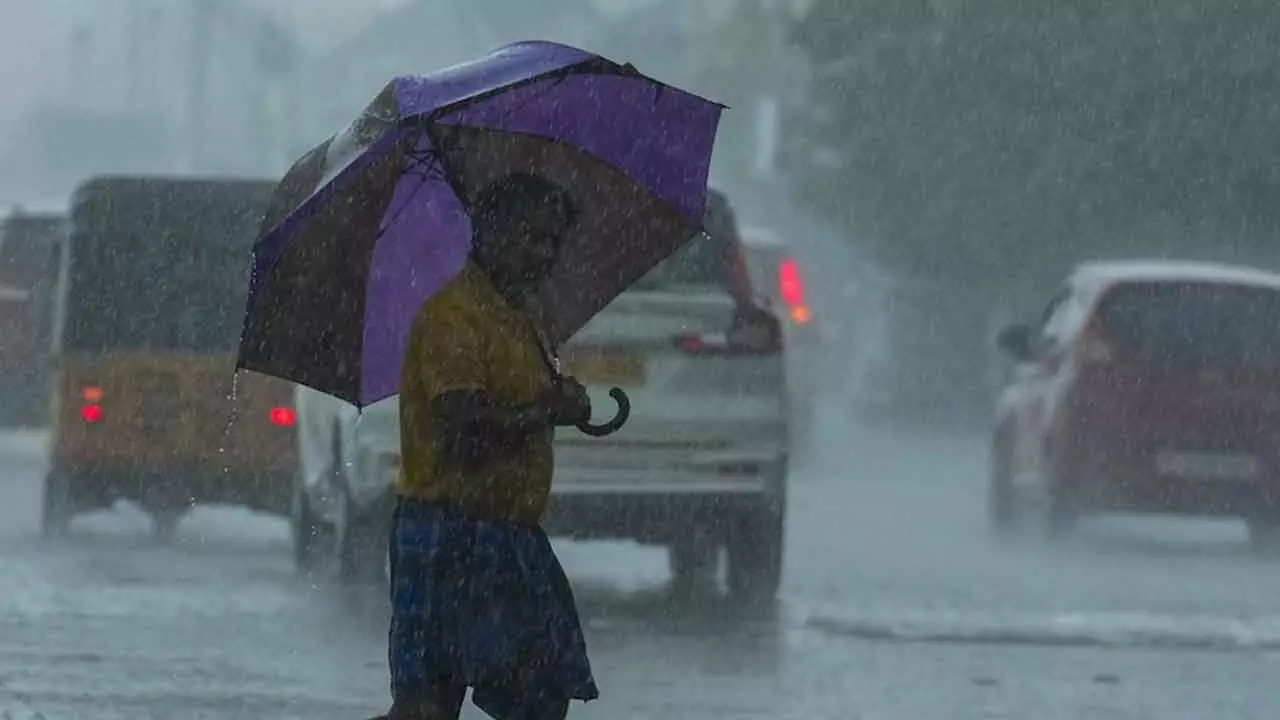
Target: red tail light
[
  {"x": 791, "y": 289},
  {"x": 790, "y": 284},
  {"x": 283, "y": 417},
  {"x": 91, "y": 413}
]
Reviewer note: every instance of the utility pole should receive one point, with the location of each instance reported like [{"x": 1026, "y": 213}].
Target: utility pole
[{"x": 202, "y": 18}]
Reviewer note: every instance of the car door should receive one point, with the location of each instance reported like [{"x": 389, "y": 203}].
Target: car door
[{"x": 1035, "y": 388}]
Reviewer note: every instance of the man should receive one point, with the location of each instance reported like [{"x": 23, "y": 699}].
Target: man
[{"x": 478, "y": 597}]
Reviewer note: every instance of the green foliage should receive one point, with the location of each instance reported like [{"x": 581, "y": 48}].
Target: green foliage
[{"x": 982, "y": 138}]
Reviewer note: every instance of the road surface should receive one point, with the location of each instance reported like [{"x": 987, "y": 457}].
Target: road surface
[{"x": 896, "y": 605}]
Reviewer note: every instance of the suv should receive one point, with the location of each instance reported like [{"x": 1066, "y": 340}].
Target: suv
[
  {"x": 700, "y": 466},
  {"x": 1145, "y": 387}
]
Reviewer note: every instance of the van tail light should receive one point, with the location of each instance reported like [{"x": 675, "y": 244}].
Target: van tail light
[
  {"x": 91, "y": 410},
  {"x": 284, "y": 417},
  {"x": 791, "y": 290},
  {"x": 91, "y": 413}
]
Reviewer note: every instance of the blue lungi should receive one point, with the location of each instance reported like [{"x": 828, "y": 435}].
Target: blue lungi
[{"x": 482, "y": 604}]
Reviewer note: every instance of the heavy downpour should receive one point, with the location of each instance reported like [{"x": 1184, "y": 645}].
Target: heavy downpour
[{"x": 823, "y": 359}]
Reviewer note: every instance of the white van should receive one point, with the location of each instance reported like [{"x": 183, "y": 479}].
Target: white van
[{"x": 701, "y": 465}]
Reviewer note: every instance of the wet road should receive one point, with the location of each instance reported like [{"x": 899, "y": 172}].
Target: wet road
[{"x": 897, "y": 605}]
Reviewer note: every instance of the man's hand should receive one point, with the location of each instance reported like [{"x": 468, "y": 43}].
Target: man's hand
[{"x": 567, "y": 403}]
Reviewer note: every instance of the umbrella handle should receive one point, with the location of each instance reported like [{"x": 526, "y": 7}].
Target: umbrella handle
[{"x": 619, "y": 418}]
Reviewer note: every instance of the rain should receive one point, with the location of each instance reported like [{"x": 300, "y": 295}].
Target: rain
[{"x": 958, "y": 398}]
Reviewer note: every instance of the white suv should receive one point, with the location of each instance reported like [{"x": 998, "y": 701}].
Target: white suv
[{"x": 700, "y": 466}]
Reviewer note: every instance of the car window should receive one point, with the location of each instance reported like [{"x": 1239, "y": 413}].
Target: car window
[
  {"x": 1193, "y": 322},
  {"x": 700, "y": 262}
]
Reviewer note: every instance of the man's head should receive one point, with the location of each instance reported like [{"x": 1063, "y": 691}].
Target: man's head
[{"x": 520, "y": 223}]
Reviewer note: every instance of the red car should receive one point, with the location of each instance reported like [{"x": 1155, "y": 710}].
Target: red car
[{"x": 1144, "y": 387}]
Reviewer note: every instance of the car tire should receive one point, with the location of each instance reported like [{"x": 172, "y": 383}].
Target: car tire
[
  {"x": 1004, "y": 513},
  {"x": 57, "y": 506},
  {"x": 164, "y": 524},
  {"x": 1060, "y": 514},
  {"x": 756, "y": 547},
  {"x": 361, "y": 543}
]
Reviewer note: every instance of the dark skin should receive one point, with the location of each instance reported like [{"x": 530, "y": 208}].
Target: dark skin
[{"x": 516, "y": 254}]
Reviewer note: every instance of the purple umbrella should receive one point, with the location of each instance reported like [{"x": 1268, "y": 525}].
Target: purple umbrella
[{"x": 363, "y": 229}]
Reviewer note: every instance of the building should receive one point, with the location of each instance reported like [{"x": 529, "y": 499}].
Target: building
[{"x": 165, "y": 86}]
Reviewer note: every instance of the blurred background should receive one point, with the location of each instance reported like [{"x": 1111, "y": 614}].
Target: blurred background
[
  {"x": 936, "y": 167},
  {"x": 944, "y": 158}
]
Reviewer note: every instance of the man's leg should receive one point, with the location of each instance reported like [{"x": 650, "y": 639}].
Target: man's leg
[
  {"x": 414, "y": 696},
  {"x": 500, "y": 705},
  {"x": 439, "y": 701}
]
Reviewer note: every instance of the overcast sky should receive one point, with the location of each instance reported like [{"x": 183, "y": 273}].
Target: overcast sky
[{"x": 33, "y": 40}]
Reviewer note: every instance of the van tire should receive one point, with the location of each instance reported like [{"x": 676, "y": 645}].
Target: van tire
[
  {"x": 755, "y": 554},
  {"x": 362, "y": 546},
  {"x": 692, "y": 558},
  {"x": 57, "y": 507},
  {"x": 307, "y": 532}
]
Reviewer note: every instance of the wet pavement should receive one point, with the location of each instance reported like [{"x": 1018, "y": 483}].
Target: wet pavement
[{"x": 897, "y": 605}]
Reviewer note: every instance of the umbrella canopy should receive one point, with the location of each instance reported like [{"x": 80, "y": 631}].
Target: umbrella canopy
[{"x": 365, "y": 227}]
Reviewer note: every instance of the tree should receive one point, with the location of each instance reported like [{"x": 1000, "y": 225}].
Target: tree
[
  {"x": 989, "y": 143},
  {"x": 952, "y": 138}
]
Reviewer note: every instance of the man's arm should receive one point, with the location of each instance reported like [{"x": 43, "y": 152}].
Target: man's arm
[
  {"x": 452, "y": 365},
  {"x": 473, "y": 426}
]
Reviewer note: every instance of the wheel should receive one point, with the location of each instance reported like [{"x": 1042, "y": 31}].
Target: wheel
[
  {"x": 693, "y": 558},
  {"x": 1003, "y": 510},
  {"x": 1061, "y": 511},
  {"x": 57, "y": 507},
  {"x": 1060, "y": 516},
  {"x": 362, "y": 535},
  {"x": 755, "y": 550},
  {"x": 309, "y": 532},
  {"x": 164, "y": 523}
]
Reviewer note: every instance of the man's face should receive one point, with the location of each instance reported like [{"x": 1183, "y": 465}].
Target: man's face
[{"x": 536, "y": 239}]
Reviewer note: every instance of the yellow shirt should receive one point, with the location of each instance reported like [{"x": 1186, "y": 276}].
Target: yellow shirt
[{"x": 467, "y": 337}]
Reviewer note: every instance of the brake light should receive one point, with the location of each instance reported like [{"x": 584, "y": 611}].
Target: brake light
[
  {"x": 790, "y": 284},
  {"x": 791, "y": 288},
  {"x": 91, "y": 413},
  {"x": 92, "y": 394},
  {"x": 283, "y": 416}
]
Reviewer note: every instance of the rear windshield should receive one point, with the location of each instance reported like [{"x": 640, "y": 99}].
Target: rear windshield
[
  {"x": 162, "y": 266},
  {"x": 1193, "y": 323},
  {"x": 703, "y": 261}
]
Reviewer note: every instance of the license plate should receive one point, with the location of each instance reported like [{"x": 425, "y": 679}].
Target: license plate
[
  {"x": 610, "y": 368},
  {"x": 1209, "y": 466}
]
